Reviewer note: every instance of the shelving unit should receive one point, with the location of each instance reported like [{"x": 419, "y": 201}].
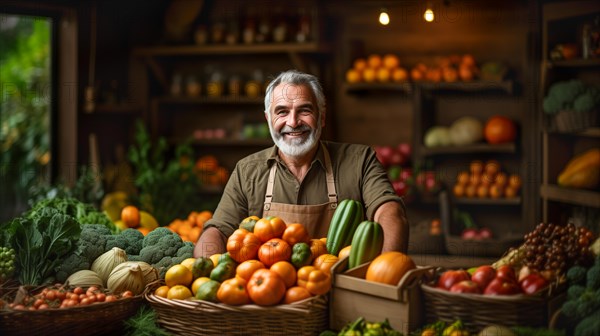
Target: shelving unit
[{"x": 562, "y": 22}]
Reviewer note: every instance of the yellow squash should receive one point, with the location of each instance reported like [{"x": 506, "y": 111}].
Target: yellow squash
[{"x": 582, "y": 171}]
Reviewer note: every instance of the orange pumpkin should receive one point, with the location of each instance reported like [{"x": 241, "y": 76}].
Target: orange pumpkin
[
  {"x": 499, "y": 130},
  {"x": 389, "y": 267},
  {"x": 243, "y": 245},
  {"x": 266, "y": 287}
]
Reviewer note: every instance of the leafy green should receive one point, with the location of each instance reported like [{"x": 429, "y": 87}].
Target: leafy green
[
  {"x": 144, "y": 324},
  {"x": 42, "y": 239}
]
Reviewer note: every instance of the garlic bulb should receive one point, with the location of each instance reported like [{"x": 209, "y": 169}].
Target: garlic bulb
[
  {"x": 106, "y": 262},
  {"x": 126, "y": 276},
  {"x": 150, "y": 272},
  {"x": 84, "y": 278}
]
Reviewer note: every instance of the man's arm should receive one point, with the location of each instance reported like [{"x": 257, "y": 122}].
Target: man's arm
[
  {"x": 392, "y": 218},
  {"x": 211, "y": 241}
]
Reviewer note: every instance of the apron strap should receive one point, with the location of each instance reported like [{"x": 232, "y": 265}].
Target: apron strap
[
  {"x": 270, "y": 184},
  {"x": 331, "y": 192}
]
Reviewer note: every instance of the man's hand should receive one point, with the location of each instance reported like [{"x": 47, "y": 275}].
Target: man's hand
[
  {"x": 392, "y": 218},
  {"x": 211, "y": 241}
]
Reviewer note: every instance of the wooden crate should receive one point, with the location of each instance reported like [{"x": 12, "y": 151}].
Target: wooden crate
[{"x": 352, "y": 297}]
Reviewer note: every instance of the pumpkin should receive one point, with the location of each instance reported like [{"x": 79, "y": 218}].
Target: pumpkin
[
  {"x": 389, "y": 267},
  {"x": 499, "y": 129},
  {"x": 465, "y": 131}
]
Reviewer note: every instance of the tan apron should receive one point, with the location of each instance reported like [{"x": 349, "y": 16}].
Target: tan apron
[{"x": 316, "y": 218}]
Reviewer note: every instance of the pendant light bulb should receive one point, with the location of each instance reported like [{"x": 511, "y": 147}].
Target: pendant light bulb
[
  {"x": 384, "y": 18},
  {"x": 428, "y": 15}
]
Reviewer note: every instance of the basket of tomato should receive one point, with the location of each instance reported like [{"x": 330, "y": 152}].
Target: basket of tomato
[
  {"x": 65, "y": 310},
  {"x": 273, "y": 279}
]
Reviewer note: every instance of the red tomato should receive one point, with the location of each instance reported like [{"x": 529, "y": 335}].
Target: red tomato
[
  {"x": 466, "y": 286},
  {"x": 483, "y": 275},
  {"x": 502, "y": 286},
  {"x": 500, "y": 129},
  {"x": 533, "y": 283},
  {"x": 451, "y": 277}
]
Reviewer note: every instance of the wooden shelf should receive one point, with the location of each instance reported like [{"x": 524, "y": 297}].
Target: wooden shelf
[
  {"x": 488, "y": 201},
  {"x": 509, "y": 148},
  {"x": 474, "y": 86},
  {"x": 572, "y": 196},
  {"x": 224, "y": 100},
  {"x": 192, "y": 50},
  {"x": 574, "y": 63},
  {"x": 114, "y": 109},
  {"x": 404, "y": 88},
  {"x": 226, "y": 142},
  {"x": 593, "y": 132}
]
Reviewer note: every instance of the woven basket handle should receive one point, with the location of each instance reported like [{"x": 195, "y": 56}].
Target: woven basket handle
[{"x": 415, "y": 275}]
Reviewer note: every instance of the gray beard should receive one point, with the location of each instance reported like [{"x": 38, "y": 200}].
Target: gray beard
[{"x": 296, "y": 147}]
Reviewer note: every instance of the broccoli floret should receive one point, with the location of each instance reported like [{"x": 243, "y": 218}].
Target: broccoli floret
[
  {"x": 589, "y": 326},
  {"x": 186, "y": 251},
  {"x": 153, "y": 236},
  {"x": 129, "y": 240},
  {"x": 561, "y": 95},
  {"x": 576, "y": 275},
  {"x": 91, "y": 245},
  {"x": 569, "y": 308},
  {"x": 584, "y": 103},
  {"x": 593, "y": 277},
  {"x": 163, "y": 265},
  {"x": 165, "y": 246},
  {"x": 587, "y": 303},
  {"x": 575, "y": 291}
]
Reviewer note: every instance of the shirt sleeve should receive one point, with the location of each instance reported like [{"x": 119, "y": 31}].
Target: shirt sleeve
[
  {"x": 232, "y": 207},
  {"x": 376, "y": 186}
]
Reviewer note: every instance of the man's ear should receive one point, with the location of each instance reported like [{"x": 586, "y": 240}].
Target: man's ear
[{"x": 323, "y": 117}]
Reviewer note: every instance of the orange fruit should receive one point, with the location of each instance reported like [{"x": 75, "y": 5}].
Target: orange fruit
[
  {"x": 344, "y": 252},
  {"x": 374, "y": 61},
  {"x": 463, "y": 178},
  {"x": 189, "y": 263},
  {"x": 207, "y": 163},
  {"x": 296, "y": 293},
  {"x": 194, "y": 234},
  {"x": 179, "y": 292},
  {"x": 383, "y": 75},
  {"x": 130, "y": 215},
  {"x": 197, "y": 283},
  {"x": 162, "y": 291},
  {"x": 353, "y": 76},
  {"x": 391, "y": 61},
  {"x": 246, "y": 268},
  {"x": 459, "y": 190},
  {"x": 399, "y": 75},
  {"x": 143, "y": 230},
  {"x": 369, "y": 75},
  {"x": 360, "y": 64},
  {"x": 178, "y": 275},
  {"x": 514, "y": 181}
]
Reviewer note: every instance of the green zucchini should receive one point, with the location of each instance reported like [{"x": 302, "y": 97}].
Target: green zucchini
[
  {"x": 346, "y": 218},
  {"x": 367, "y": 243}
]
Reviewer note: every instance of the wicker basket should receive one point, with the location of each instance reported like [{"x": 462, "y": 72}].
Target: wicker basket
[
  {"x": 572, "y": 121},
  {"x": 104, "y": 318},
  {"x": 478, "y": 311},
  {"x": 198, "y": 317}
]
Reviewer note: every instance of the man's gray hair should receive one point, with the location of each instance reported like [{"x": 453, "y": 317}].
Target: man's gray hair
[{"x": 296, "y": 78}]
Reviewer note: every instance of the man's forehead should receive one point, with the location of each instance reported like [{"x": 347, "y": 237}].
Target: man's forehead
[{"x": 291, "y": 92}]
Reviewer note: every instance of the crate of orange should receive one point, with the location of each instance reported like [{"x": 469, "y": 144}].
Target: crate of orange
[{"x": 274, "y": 279}]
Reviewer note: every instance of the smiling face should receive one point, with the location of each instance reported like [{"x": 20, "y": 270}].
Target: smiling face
[{"x": 294, "y": 120}]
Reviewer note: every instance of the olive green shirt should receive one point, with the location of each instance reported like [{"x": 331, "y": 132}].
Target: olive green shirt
[{"x": 357, "y": 172}]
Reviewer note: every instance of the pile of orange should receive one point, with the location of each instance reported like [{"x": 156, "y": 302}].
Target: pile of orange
[
  {"x": 209, "y": 172},
  {"x": 190, "y": 228},
  {"x": 486, "y": 180},
  {"x": 376, "y": 68}
]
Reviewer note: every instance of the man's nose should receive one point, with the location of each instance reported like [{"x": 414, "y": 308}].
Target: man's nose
[{"x": 293, "y": 119}]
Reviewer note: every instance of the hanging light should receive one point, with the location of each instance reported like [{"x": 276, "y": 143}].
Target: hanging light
[
  {"x": 428, "y": 15},
  {"x": 384, "y": 18}
]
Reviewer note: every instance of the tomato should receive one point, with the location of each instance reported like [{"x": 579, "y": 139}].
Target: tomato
[
  {"x": 233, "y": 292},
  {"x": 316, "y": 281},
  {"x": 296, "y": 293},
  {"x": 295, "y": 233},
  {"x": 451, "y": 277},
  {"x": 483, "y": 275},
  {"x": 243, "y": 245},
  {"x": 286, "y": 271},
  {"x": 466, "y": 286},
  {"x": 268, "y": 228},
  {"x": 499, "y": 129},
  {"x": 533, "y": 283},
  {"x": 502, "y": 286},
  {"x": 317, "y": 247},
  {"x": 274, "y": 250},
  {"x": 265, "y": 287},
  {"x": 245, "y": 269}
]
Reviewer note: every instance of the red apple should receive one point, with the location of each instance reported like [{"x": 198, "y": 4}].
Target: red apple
[
  {"x": 451, "y": 277},
  {"x": 466, "y": 286},
  {"x": 485, "y": 233},
  {"x": 405, "y": 174},
  {"x": 483, "y": 275},
  {"x": 400, "y": 187},
  {"x": 502, "y": 286},
  {"x": 506, "y": 272},
  {"x": 384, "y": 153},
  {"x": 533, "y": 283},
  {"x": 469, "y": 233},
  {"x": 397, "y": 158},
  {"x": 405, "y": 149}
]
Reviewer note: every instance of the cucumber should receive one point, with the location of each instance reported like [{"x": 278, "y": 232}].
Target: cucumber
[
  {"x": 367, "y": 243},
  {"x": 346, "y": 218}
]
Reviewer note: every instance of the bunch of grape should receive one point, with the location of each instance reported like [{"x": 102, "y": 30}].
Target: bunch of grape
[
  {"x": 7, "y": 263},
  {"x": 557, "y": 248}
]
